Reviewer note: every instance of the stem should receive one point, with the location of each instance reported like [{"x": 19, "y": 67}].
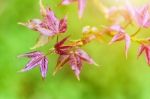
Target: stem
[
  {"x": 140, "y": 41},
  {"x": 50, "y": 51},
  {"x": 127, "y": 25},
  {"x": 136, "y": 40},
  {"x": 134, "y": 34}
]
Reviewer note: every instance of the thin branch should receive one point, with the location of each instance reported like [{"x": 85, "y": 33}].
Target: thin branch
[{"x": 134, "y": 34}]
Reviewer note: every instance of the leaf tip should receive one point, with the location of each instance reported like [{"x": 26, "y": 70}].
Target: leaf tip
[
  {"x": 54, "y": 73},
  {"x": 43, "y": 78},
  {"x": 78, "y": 78},
  {"x": 97, "y": 65},
  {"x": 23, "y": 24}
]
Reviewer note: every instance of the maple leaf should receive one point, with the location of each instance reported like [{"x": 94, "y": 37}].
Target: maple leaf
[
  {"x": 120, "y": 35},
  {"x": 71, "y": 56},
  {"x": 117, "y": 14},
  {"x": 37, "y": 58},
  {"x": 81, "y": 5},
  {"x": 140, "y": 15},
  {"x": 143, "y": 17},
  {"x": 48, "y": 27}
]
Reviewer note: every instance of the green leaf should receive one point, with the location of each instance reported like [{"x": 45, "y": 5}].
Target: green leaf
[{"x": 42, "y": 40}]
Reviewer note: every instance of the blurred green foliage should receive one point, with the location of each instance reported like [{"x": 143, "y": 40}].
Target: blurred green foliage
[{"x": 116, "y": 78}]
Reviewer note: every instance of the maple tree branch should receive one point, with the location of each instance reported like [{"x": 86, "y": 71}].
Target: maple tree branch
[
  {"x": 50, "y": 51},
  {"x": 134, "y": 34}
]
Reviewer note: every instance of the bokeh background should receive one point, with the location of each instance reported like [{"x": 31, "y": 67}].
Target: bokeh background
[{"x": 116, "y": 78}]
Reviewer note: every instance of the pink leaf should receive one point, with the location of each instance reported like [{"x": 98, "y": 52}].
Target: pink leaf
[
  {"x": 51, "y": 21},
  {"x": 117, "y": 37},
  {"x": 33, "y": 63},
  {"x": 31, "y": 54},
  {"x": 117, "y": 28},
  {"x": 45, "y": 31},
  {"x": 141, "y": 16},
  {"x": 50, "y": 25},
  {"x": 146, "y": 49},
  {"x": 147, "y": 53},
  {"x": 67, "y": 2},
  {"x": 81, "y": 7},
  {"x": 127, "y": 41},
  {"x": 122, "y": 36},
  {"x": 37, "y": 58},
  {"x": 84, "y": 56},
  {"x": 63, "y": 25},
  {"x": 140, "y": 50},
  {"x": 62, "y": 60},
  {"x": 44, "y": 66},
  {"x": 76, "y": 64}
]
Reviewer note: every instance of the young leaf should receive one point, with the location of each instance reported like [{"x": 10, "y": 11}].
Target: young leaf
[
  {"x": 42, "y": 40},
  {"x": 36, "y": 58}
]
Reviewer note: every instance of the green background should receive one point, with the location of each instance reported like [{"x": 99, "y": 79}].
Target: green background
[{"x": 116, "y": 78}]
